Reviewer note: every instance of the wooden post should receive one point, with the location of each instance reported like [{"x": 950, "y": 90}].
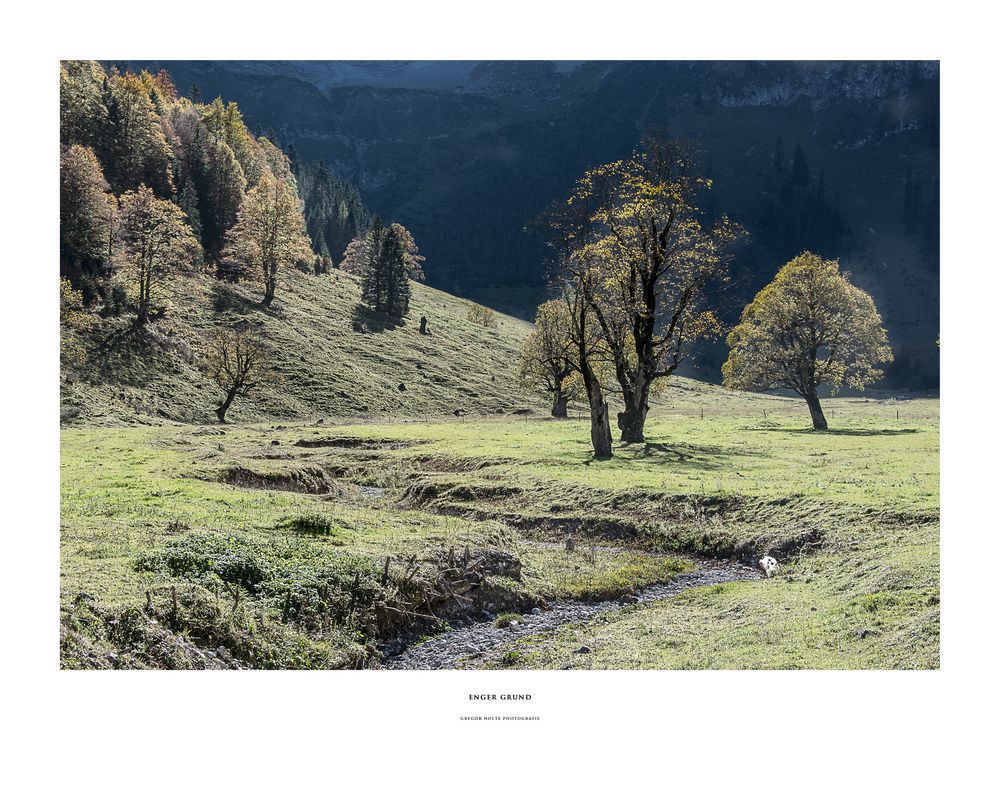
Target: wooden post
[
  {"x": 173, "y": 600},
  {"x": 288, "y": 605},
  {"x": 385, "y": 572},
  {"x": 149, "y": 601}
]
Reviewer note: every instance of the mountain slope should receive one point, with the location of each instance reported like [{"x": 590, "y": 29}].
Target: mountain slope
[
  {"x": 324, "y": 365},
  {"x": 465, "y": 154}
]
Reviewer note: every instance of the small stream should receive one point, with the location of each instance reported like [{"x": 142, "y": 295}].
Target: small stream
[{"x": 480, "y": 640}]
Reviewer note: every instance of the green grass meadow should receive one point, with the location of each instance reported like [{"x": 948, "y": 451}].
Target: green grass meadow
[{"x": 853, "y": 513}]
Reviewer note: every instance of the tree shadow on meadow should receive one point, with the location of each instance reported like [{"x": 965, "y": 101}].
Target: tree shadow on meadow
[
  {"x": 225, "y": 298},
  {"x": 704, "y": 457},
  {"x": 364, "y": 320},
  {"x": 843, "y": 431},
  {"x": 133, "y": 354}
]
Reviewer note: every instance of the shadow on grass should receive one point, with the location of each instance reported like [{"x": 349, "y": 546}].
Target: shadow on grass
[
  {"x": 364, "y": 320},
  {"x": 226, "y": 298},
  {"x": 123, "y": 343},
  {"x": 843, "y": 431},
  {"x": 704, "y": 457}
]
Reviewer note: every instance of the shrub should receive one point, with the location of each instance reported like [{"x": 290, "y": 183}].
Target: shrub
[
  {"x": 482, "y": 316},
  {"x": 313, "y": 524},
  {"x": 199, "y": 555}
]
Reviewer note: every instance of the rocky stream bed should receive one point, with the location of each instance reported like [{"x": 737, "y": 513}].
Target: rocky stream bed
[{"x": 476, "y": 641}]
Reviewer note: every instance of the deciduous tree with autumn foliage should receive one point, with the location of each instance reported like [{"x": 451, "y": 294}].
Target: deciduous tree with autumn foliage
[
  {"x": 809, "y": 326},
  {"x": 639, "y": 246},
  {"x": 154, "y": 240},
  {"x": 269, "y": 235},
  {"x": 548, "y": 359}
]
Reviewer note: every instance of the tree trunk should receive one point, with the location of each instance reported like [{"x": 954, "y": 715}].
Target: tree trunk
[
  {"x": 268, "y": 294},
  {"x": 559, "y": 404},
  {"x": 632, "y": 421},
  {"x": 816, "y": 411},
  {"x": 142, "y": 306},
  {"x": 600, "y": 426},
  {"x": 220, "y": 412}
]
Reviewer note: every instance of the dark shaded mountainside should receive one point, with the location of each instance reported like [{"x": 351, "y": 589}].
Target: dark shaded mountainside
[{"x": 837, "y": 157}]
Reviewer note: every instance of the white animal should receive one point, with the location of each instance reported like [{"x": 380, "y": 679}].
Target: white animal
[{"x": 769, "y": 565}]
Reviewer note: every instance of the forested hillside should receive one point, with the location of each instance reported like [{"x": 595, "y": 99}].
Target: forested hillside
[
  {"x": 193, "y": 274},
  {"x": 839, "y": 158}
]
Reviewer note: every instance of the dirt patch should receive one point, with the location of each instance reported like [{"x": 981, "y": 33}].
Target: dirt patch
[
  {"x": 781, "y": 544},
  {"x": 440, "y": 495},
  {"x": 432, "y": 463},
  {"x": 357, "y": 442},
  {"x": 306, "y": 480}
]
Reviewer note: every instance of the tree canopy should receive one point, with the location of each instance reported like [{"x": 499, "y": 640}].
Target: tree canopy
[
  {"x": 547, "y": 357},
  {"x": 269, "y": 234},
  {"x": 154, "y": 239},
  {"x": 809, "y": 326},
  {"x": 637, "y": 242},
  {"x": 356, "y": 255}
]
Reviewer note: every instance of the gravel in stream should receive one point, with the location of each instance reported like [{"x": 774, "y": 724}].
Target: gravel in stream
[{"x": 483, "y": 639}]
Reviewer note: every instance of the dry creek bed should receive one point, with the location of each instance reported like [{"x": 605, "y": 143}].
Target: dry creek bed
[{"x": 479, "y": 641}]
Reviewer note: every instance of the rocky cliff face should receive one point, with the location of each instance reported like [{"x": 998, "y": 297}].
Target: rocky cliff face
[{"x": 466, "y": 153}]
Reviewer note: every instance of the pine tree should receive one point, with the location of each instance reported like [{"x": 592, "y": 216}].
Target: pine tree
[
  {"x": 397, "y": 283},
  {"x": 800, "y": 167},
  {"x": 778, "y": 159},
  {"x": 188, "y": 202},
  {"x": 372, "y": 289}
]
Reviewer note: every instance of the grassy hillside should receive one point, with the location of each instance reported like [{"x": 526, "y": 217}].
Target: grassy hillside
[{"x": 330, "y": 360}]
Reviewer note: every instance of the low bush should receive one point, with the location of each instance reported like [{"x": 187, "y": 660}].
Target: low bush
[
  {"x": 313, "y": 524},
  {"x": 483, "y": 316}
]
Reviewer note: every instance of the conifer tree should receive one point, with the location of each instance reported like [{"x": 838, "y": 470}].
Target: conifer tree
[
  {"x": 187, "y": 200},
  {"x": 396, "y": 275},
  {"x": 369, "y": 257}
]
